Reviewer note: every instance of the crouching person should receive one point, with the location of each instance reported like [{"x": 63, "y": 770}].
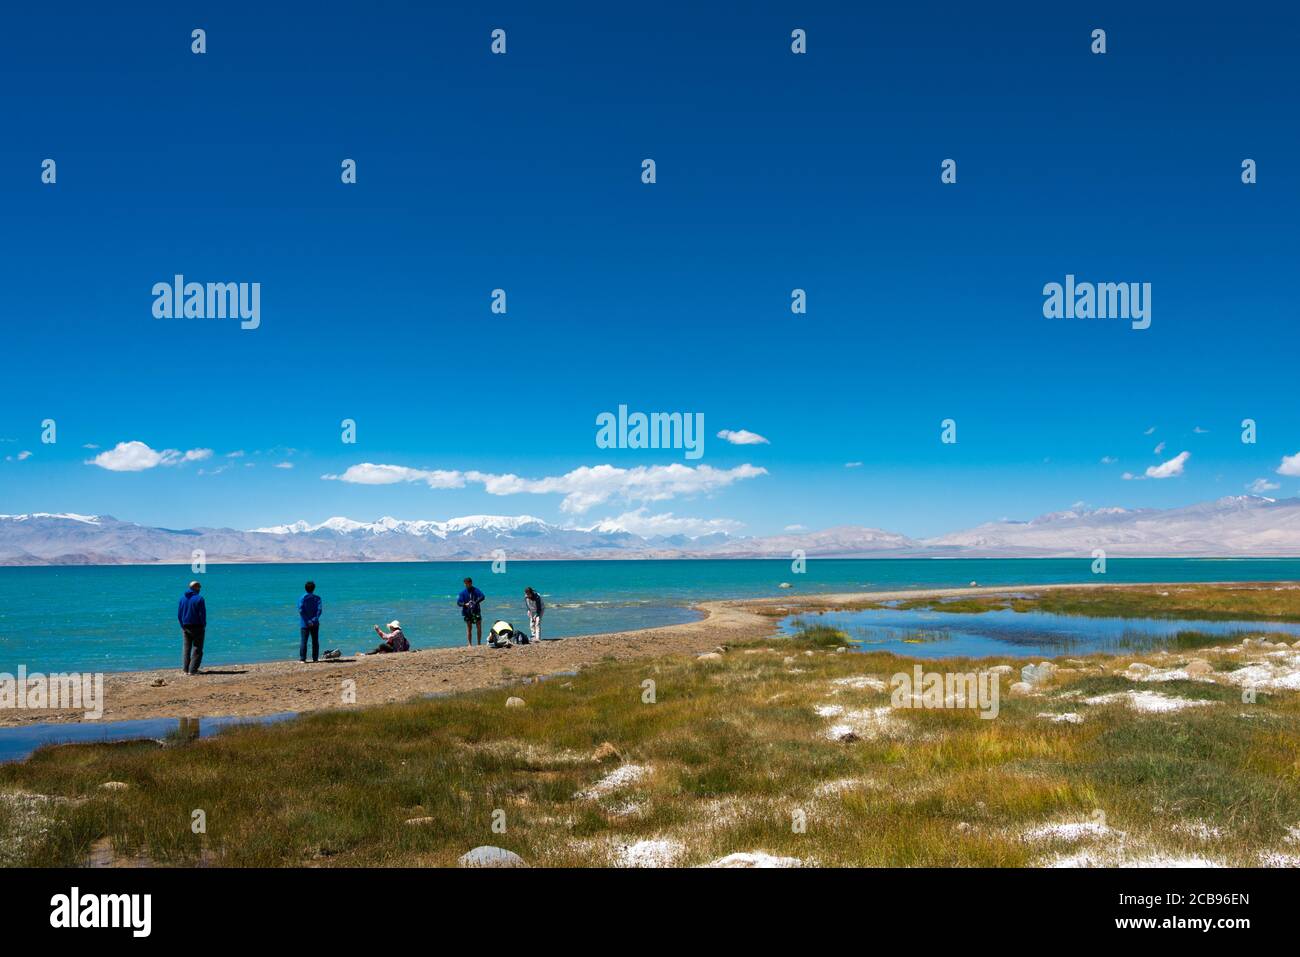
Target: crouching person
[{"x": 393, "y": 639}]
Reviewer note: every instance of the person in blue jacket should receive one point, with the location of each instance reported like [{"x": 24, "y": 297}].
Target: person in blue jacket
[
  {"x": 471, "y": 609},
  {"x": 193, "y": 616},
  {"x": 310, "y": 607}
]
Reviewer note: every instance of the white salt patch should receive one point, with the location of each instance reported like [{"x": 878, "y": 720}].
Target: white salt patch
[
  {"x": 1147, "y": 701},
  {"x": 653, "y": 853},
  {"x": 828, "y": 788},
  {"x": 1094, "y": 859},
  {"x": 755, "y": 859},
  {"x": 860, "y": 683},
  {"x": 1278, "y": 859},
  {"x": 1068, "y": 717},
  {"x": 622, "y": 777},
  {"x": 829, "y": 710},
  {"x": 868, "y": 723},
  {"x": 1197, "y": 829},
  {"x": 1067, "y": 831}
]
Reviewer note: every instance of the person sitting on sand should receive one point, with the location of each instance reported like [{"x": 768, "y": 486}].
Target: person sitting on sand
[
  {"x": 471, "y": 603},
  {"x": 192, "y": 613},
  {"x": 394, "y": 640},
  {"x": 533, "y": 602},
  {"x": 310, "y": 607}
]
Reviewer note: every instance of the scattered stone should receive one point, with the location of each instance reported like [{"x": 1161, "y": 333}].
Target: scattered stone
[
  {"x": 1037, "y": 674},
  {"x": 841, "y": 650},
  {"x": 489, "y": 856},
  {"x": 513, "y": 702},
  {"x": 1198, "y": 666},
  {"x": 1020, "y": 687},
  {"x": 784, "y": 585},
  {"x": 157, "y": 682}
]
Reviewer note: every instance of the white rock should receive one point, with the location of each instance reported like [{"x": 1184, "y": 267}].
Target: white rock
[
  {"x": 513, "y": 702},
  {"x": 489, "y": 856}
]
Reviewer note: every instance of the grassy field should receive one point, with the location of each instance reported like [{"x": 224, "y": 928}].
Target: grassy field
[{"x": 747, "y": 752}]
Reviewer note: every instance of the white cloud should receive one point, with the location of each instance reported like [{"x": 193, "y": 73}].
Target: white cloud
[
  {"x": 136, "y": 457},
  {"x": 582, "y": 488},
  {"x": 1170, "y": 469},
  {"x": 1290, "y": 465},
  {"x": 284, "y": 465},
  {"x": 1150, "y": 431},
  {"x": 666, "y": 523},
  {"x": 237, "y": 454},
  {"x": 24, "y": 454},
  {"x": 853, "y": 465},
  {"x": 368, "y": 473},
  {"x": 796, "y": 528},
  {"x": 1158, "y": 449},
  {"x": 90, "y": 445},
  {"x": 742, "y": 437},
  {"x": 1200, "y": 431},
  {"x": 1262, "y": 485},
  {"x": 1108, "y": 460}
]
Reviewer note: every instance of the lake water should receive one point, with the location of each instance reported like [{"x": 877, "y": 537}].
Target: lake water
[
  {"x": 919, "y": 633},
  {"x": 19, "y": 742},
  {"x": 113, "y": 618}
]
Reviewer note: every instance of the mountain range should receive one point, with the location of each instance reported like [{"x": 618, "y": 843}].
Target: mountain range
[{"x": 1236, "y": 526}]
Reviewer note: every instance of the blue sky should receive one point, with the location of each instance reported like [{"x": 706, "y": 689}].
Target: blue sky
[{"x": 523, "y": 172}]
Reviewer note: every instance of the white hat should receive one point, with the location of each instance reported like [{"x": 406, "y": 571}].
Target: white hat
[{"x": 394, "y": 624}]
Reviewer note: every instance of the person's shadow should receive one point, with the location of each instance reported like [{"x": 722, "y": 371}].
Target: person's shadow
[{"x": 216, "y": 671}]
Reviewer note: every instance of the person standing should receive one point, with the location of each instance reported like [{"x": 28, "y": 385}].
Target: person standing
[
  {"x": 533, "y": 602},
  {"x": 471, "y": 609},
  {"x": 192, "y": 613},
  {"x": 310, "y": 607}
]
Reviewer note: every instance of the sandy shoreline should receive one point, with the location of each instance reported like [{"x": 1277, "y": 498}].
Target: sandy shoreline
[{"x": 275, "y": 687}]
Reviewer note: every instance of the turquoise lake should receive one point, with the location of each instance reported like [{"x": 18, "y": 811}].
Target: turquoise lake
[{"x": 114, "y": 618}]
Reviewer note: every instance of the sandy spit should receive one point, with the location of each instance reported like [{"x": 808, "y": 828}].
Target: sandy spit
[{"x": 273, "y": 687}]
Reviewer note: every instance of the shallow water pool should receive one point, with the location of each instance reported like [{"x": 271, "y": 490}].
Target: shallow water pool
[{"x": 921, "y": 633}]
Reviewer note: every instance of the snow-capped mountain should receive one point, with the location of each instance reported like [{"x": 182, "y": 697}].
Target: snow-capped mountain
[
  {"x": 1243, "y": 525},
  {"x": 1237, "y": 525}
]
